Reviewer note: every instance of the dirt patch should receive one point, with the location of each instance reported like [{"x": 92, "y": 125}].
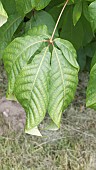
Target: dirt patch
[{"x": 12, "y": 114}]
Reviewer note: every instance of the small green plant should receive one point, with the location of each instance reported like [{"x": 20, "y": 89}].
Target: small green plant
[{"x": 39, "y": 58}]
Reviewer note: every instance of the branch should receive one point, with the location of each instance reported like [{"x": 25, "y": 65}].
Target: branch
[{"x": 51, "y": 39}]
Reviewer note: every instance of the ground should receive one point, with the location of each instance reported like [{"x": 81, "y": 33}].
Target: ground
[{"x": 72, "y": 147}]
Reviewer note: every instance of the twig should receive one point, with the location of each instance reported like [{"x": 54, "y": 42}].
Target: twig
[{"x": 58, "y": 20}]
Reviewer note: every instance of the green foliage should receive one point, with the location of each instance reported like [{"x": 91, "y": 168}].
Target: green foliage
[
  {"x": 41, "y": 18},
  {"x": 77, "y": 11},
  {"x": 7, "y": 31},
  {"x": 3, "y": 15},
  {"x": 91, "y": 90},
  {"x": 42, "y": 68},
  {"x": 25, "y": 6},
  {"x": 63, "y": 79},
  {"x": 92, "y": 12},
  {"x": 9, "y": 6}
]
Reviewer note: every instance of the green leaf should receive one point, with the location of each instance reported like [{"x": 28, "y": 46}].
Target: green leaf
[
  {"x": 9, "y": 6},
  {"x": 41, "y": 4},
  {"x": 33, "y": 131},
  {"x": 77, "y": 11},
  {"x": 81, "y": 58},
  {"x": 17, "y": 55},
  {"x": 7, "y": 31},
  {"x": 25, "y": 6},
  {"x": 90, "y": 49},
  {"x": 80, "y": 34},
  {"x": 93, "y": 59},
  {"x": 68, "y": 51},
  {"x": 39, "y": 30},
  {"x": 63, "y": 83},
  {"x": 41, "y": 18},
  {"x": 91, "y": 89},
  {"x": 92, "y": 12},
  {"x": 31, "y": 88},
  {"x": 3, "y": 15},
  {"x": 85, "y": 10}
]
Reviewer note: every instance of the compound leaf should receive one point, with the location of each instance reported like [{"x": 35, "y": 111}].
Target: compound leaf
[{"x": 31, "y": 88}]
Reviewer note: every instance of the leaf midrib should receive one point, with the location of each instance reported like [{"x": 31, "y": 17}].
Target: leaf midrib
[
  {"x": 61, "y": 74},
  {"x": 39, "y": 67},
  {"x": 37, "y": 73}
]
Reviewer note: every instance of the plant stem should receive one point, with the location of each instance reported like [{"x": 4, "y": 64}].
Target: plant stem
[{"x": 58, "y": 20}]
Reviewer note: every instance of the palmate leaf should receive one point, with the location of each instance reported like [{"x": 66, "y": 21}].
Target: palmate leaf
[
  {"x": 7, "y": 31},
  {"x": 63, "y": 80},
  {"x": 31, "y": 88},
  {"x": 17, "y": 55},
  {"x": 42, "y": 79},
  {"x": 91, "y": 89}
]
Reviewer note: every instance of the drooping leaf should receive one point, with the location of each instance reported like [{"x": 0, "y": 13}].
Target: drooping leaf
[
  {"x": 63, "y": 82},
  {"x": 17, "y": 55},
  {"x": 91, "y": 89},
  {"x": 7, "y": 31},
  {"x": 3, "y": 15},
  {"x": 92, "y": 12},
  {"x": 31, "y": 88},
  {"x": 77, "y": 11}
]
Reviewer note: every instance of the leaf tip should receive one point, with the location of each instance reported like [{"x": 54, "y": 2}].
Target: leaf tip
[{"x": 34, "y": 131}]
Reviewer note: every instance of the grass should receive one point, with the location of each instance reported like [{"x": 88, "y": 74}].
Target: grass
[
  {"x": 21, "y": 151},
  {"x": 65, "y": 149}
]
